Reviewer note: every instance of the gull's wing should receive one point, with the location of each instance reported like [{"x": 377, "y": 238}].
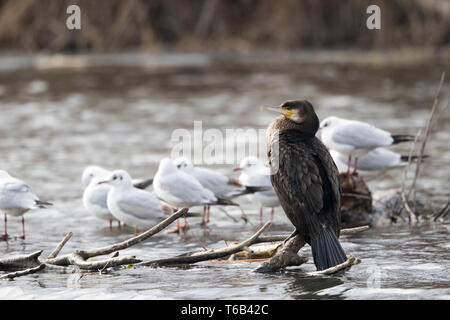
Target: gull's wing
[
  {"x": 141, "y": 204},
  {"x": 186, "y": 188},
  {"x": 361, "y": 135},
  {"x": 16, "y": 193}
]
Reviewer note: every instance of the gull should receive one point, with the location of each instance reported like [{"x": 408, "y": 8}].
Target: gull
[
  {"x": 95, "y": 193},
  {"x": 181, "y": 190},
  {"x": 135, "y": 207},
  {"x": 377, "y": 159},
  {"x": 356, "y": 138},
  {"x": 220, "y": 184},
  {"x": 256, "y": 174},
  {"x": 16, "y": 198},
  {"x": 95, "y": 171}
]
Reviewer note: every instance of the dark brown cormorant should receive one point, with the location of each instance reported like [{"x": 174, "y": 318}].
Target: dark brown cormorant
[{"x": 306, "y": 180}]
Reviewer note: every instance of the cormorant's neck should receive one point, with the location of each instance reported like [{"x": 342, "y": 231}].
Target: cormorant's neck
[{"x": 309, "y": 127}]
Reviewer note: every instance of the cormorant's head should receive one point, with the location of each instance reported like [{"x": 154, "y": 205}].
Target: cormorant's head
[{"x": 299, "y": 111}]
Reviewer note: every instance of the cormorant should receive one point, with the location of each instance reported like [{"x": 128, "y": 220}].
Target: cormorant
[{"x": 306, "y": 180}]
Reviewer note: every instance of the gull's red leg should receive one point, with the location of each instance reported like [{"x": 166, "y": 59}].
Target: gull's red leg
[
  {"x": 23, "y": 228},
  {"x": 349, "y": 164},
  {"x": 5, "y": 235},
  {"x": 271, "y": 215},
  {"x": 355, "y": 165},
  {"x": 203, "y": 216},
  {"x": 260, "y": 215}
]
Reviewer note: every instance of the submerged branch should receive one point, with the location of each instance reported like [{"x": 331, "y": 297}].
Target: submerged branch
[
  {"x": 22, "y": 261},
  {"x": 286, "y": 256},
  {"x": 206, "y": 255},
  {"x": 282, "y": 237},
  {"x": 74, "y": 258},
  {"x": 12, "y": 275},
  {"x": 351, "y": 260}
]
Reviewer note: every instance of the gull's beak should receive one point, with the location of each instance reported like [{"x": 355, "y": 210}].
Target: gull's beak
[
  {"x": 237, "y": 169},
  {"x": 103, "y": 181},
  {"x": 280, "y": 110}
]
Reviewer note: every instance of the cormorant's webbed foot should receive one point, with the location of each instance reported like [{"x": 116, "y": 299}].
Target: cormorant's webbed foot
[{"x": 293, "y": 234}]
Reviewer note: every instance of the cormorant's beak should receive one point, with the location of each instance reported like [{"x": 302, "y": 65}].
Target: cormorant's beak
[{"x": 280, "y": 110}]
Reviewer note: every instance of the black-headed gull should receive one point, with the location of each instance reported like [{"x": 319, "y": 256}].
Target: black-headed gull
[
  {"x": 356, "y": 138},
  {"x": 95, "y": 194},
  {"x": 254, "y": 173},
  {"x": 377, "y": 159},
  {"x": 182, "y": 190},
  {"x": 135, "y": 207},
  {"x": 221, "y": 185},
  {"x": 16, "y": 198}
]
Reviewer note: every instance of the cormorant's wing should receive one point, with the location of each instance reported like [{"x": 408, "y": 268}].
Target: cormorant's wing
[{"x": 306, "y": 182}]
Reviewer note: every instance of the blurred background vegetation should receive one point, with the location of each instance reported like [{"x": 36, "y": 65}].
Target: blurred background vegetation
[{"x": 241, "y": 25}]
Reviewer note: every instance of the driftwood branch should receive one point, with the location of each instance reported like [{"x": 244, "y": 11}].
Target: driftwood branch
[
  {"x": 59, "y": 246},
  {"x": 12, "y": 275},
  {"x": 20, "y": 262},
  {"x": 79, "y": 258},
  {"x": 285, "y": 257},
  {"x": 206, "y": 255},
  {"x": 351, "y": 260},
  {"x": 282, "y": 237}
]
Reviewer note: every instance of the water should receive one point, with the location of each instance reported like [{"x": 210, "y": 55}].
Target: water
[{"x": 121, "y": 114}]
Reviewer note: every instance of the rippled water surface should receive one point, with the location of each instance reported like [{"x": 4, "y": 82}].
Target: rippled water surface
[{"x": 119, "y": 114}]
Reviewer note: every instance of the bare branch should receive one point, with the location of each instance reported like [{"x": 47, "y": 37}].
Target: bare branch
[
  {"x": 285, "y": 257},
  {"x": 78, "y": 261},
  {"x": 85, "y": 254},
  {"x": 427, "y": 135},
  {"x": 351, "y": 260},
  {"x": 282, "y": 237},
  {"x": 12, "y": 275},
  {"x": 206, "y": 255},
  {"x": 60, "y": 246},
  {"x": 21, "y": 261}
]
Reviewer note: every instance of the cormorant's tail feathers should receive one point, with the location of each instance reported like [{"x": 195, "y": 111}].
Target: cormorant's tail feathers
[{"x": 327, "y": 251}]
